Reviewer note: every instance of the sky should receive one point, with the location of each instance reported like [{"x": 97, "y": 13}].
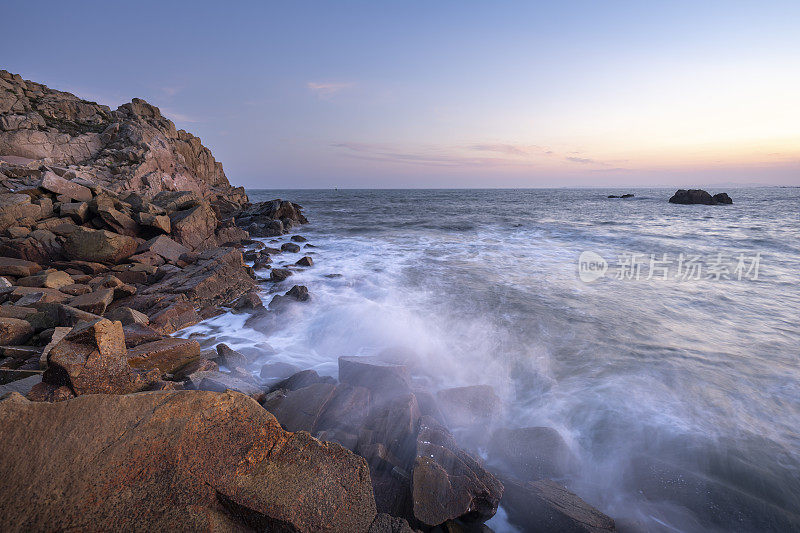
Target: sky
[{"x": 395, "y": 94}]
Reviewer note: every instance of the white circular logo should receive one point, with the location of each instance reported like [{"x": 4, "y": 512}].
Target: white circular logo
[{"x": 591, "y": 266}]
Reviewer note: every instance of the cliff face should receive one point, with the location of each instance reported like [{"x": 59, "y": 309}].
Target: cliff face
[{"x": 133, "y": 148}]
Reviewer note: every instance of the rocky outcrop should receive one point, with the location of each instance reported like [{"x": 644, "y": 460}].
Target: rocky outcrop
[
  {"x": 177, "y": 461},
  {"x": 699, "y": 196},
  {"x": 134, "y": 148}
]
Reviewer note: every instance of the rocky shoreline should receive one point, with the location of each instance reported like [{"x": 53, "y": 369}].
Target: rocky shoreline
[{"x": 117, "y": 231}]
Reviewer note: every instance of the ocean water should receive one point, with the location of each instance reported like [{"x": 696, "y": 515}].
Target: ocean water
[{"x": 676, "y": 385}]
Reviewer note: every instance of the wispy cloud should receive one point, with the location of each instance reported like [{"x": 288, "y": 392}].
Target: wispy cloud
[
  {"x": 178, "y": 117},
  {"x": 326, "y": 90},
  {"x": 582, "y": 160}
]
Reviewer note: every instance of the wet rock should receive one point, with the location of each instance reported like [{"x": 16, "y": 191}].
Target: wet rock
[
  {"x": 249, "y": 301},
  {"x": 627, "y": 195},
  {"x": 290, "y": 247},
  {"x": 167, "y": 355},
  {"x": 699, "y": 196},
  {"x": 299, "y": 410},
  {"x": 298, "y": 238},
  {"x": 461, "y": 485},
  {"x": 212, "y": 462},
  {"x": 393, "y": 424},
  {"x": 347, "y": 410},
  {"x": 220, "y": 382},
  {"x": 279, "y": 274},
  {"x": 305, "y": 261},
  {"x": 383, "y": 378},
  {"x": 544, "y": 506},
  {"x": 468, "y": 406},
  {"x": 92, "y": 359},
  {"x": 302, "y": 379},
  {"x": 298, "y": 293},
  {"x": 18, "y": 267},
  {"x": 99, "y": 246},
  {"x": 94, "y": 302},
  {"x": 230, "y": 358},
  {"x": 532, "y": 453},
  {"x": 14, "y": 331}
]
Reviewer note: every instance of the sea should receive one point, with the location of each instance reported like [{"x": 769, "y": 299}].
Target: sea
[{"x": 662, "y": 341}]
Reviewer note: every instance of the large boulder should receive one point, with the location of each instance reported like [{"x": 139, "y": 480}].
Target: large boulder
[
  {"x": 380, "y": 376},
  {"x": 15, "y": 208},
  {"x": 699, "y": 196},
  {"x": 99, "y": 246},
  {"x": 14, "y": 331},
  {"x": 167, "y": 355},
  {"x": 58, "y": 185},
  {"x": 449, "y": 483},
  {"x": 173, "y": 461},
  {"x": 195, "y": 227}
]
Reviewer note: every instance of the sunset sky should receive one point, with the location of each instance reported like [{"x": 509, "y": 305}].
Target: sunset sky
[{"x": 443, "y": 94}]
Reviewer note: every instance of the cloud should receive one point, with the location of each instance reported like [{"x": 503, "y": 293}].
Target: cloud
[
  {"x": 509, "y": 149},
  {"x": 428, "y": 155},
  {"x": 583, "y": 160},
  {"x": 326, "y": 90}
]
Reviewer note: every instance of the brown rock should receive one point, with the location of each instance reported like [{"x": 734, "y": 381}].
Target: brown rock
[
  {"x": 305, "y": 261},
  {"x": 94, "y": 302},
  {"x": 194, "y": 228},
  {"x": 128, "y": 316},
  {"x": 136, "y": 334},
  {"x": 174, "y": 318},
  {"x": 92, "y": 359},
  {"x": 58, "y": 334},
  {"x": 53, "y": 280},
  {"x": 299, "y": 410},
  {"x": 75, "y": 289},
  {"x": 531, "y": 453},
  {"x": 77, "y": 211},
  {"x": 164, "y": 247},
  {"x": 25, "y": 295},
  {"x": 279, "y": 274},
  {"x": 468, "y": 406},
  {"x": 544, "y": 506},
  {"x": 17, "y": 267},
  {"x": 16, "y": 208},
  {"x": 211, "y": 461},
  {"x": 221, "y": 382},
  {"x": 58, "y": 185},
  {"x": 14, "y": 331},
  {"x": 159, "y": 223},
  {"x": 99, "y": 246},
  {"x": 449, "y": 483},
  {"x": 167, "y": 355},
  {"x": 381, "y": 377}
]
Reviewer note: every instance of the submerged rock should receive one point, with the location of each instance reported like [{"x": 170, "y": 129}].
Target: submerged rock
[
  {"x": 532, "y": 453},
  {"x": 699, "y": 196}
]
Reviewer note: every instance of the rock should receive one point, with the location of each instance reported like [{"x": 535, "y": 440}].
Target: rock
[
  {"x": 75, "y": 289},
  {"x": 177, "y": 200},
  {"x": 15, "y": 208},
  {"x": 302, "y": 379},
  {"x": 385, "y": 523},
  {"x": 167, "y": 355},
  {"x": 59, "y": 332},
  {"x": 174, "y": 318},
  {"x": 221, "y": 382},
  {"x": 251, "y": 300},
  {"x": 52, "y": 279},
  {"x": 628, "y": 195},
  {"x": 128, "y": 316},
  {"x": 699, "y": 196},
  {"x": 91, "y": 359},
  {"x": 16, "y": 311},
  {"x": 136, "y": 334},
  {"x": 290, "y": 247},
  {"x": 24, "y": 296},
  {"x": 305, "y": 261},
  {"x": 194, "y": 228},
  {"x": 346, "y": 410},
  {"x": 163, "y": 246},
  {"x": 298, "y": 293},
  {"x": 532, "y": 453},
  {"x": 468, "y": 406},
  {"x": 279, "y": 274},
  {"x": 230, "y": 358},
  {"x": 17, "y": 267},
  {"x": 14, "y": 331},
  {"x": 99, "y": 246},
  {"x": 77, "y": 211},
  {"x": 218, "y": 277},
  {"x": 59, "y": 185},
  {"x": 544, "y": 506},
  {"x": 722, "y": 198},
  {"x": 20, "y": 386},
  {"x": 211, "y": 461},
  {"x": 462, "y": 487},
  {"x": 298, "y": 238},
  {"x": 160, "y": 223},
  {"x": 94, "y": 302},
  {"x": 299, "y": 410},
  {"x": 386, "y": 379}
]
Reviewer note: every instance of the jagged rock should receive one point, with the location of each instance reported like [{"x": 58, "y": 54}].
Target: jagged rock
[
  {"x": 174, "y": 318},
  {"x": 467, "y": 406},
  {"x": 230, "y": 357},
  {"x": 77, "y": 211},
  {"x": 163, "y": 246},
  {"x": 194, "y": 228},
  {"x": 18, "y": 267},
  {"x": 290, "y": 247},
  {"x": 99, "y": 246},
  {"x": 59, "y": 332},
  {"x": 381, "y": 377},
  {"x": 449, "y": 483},
  {"x": 299, "y": 410},
  {"x": 94, "y": 302},
  {"x": 60, "y": 186},
  {"x": 54, "y": 279},
  {"x": 92, "y": 359},
  {"x": 159, "y": 223},
  {"x": 167, "y": 355},
  {"x": 298, "y": 238},
  {"x": 699, "y": 196},
  {"x": 14, "y": 331},
  {"x": 251, "y": 300},
  {"x": 15, "y": 208},
  {"x": 220, "y": 382},
  {"x": 305, "y": 261},
  {"x": 211, "y": 461},
  {"x": 298, "y": 293},
  {"x": 279, "y": 274},
  {"x": 722, "y": 198},
  {"x": 128, "y": 316},
  {"x": 172, "y": 201},
  {"x": 75, "y": 289},
  {"x": 136, "y": 334},
  {"x": 544, "y": 506},
  {"x": 532, "y": 453},
  {"x": 301, "y": 379},
  {"x": 29, "y": 295}
]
